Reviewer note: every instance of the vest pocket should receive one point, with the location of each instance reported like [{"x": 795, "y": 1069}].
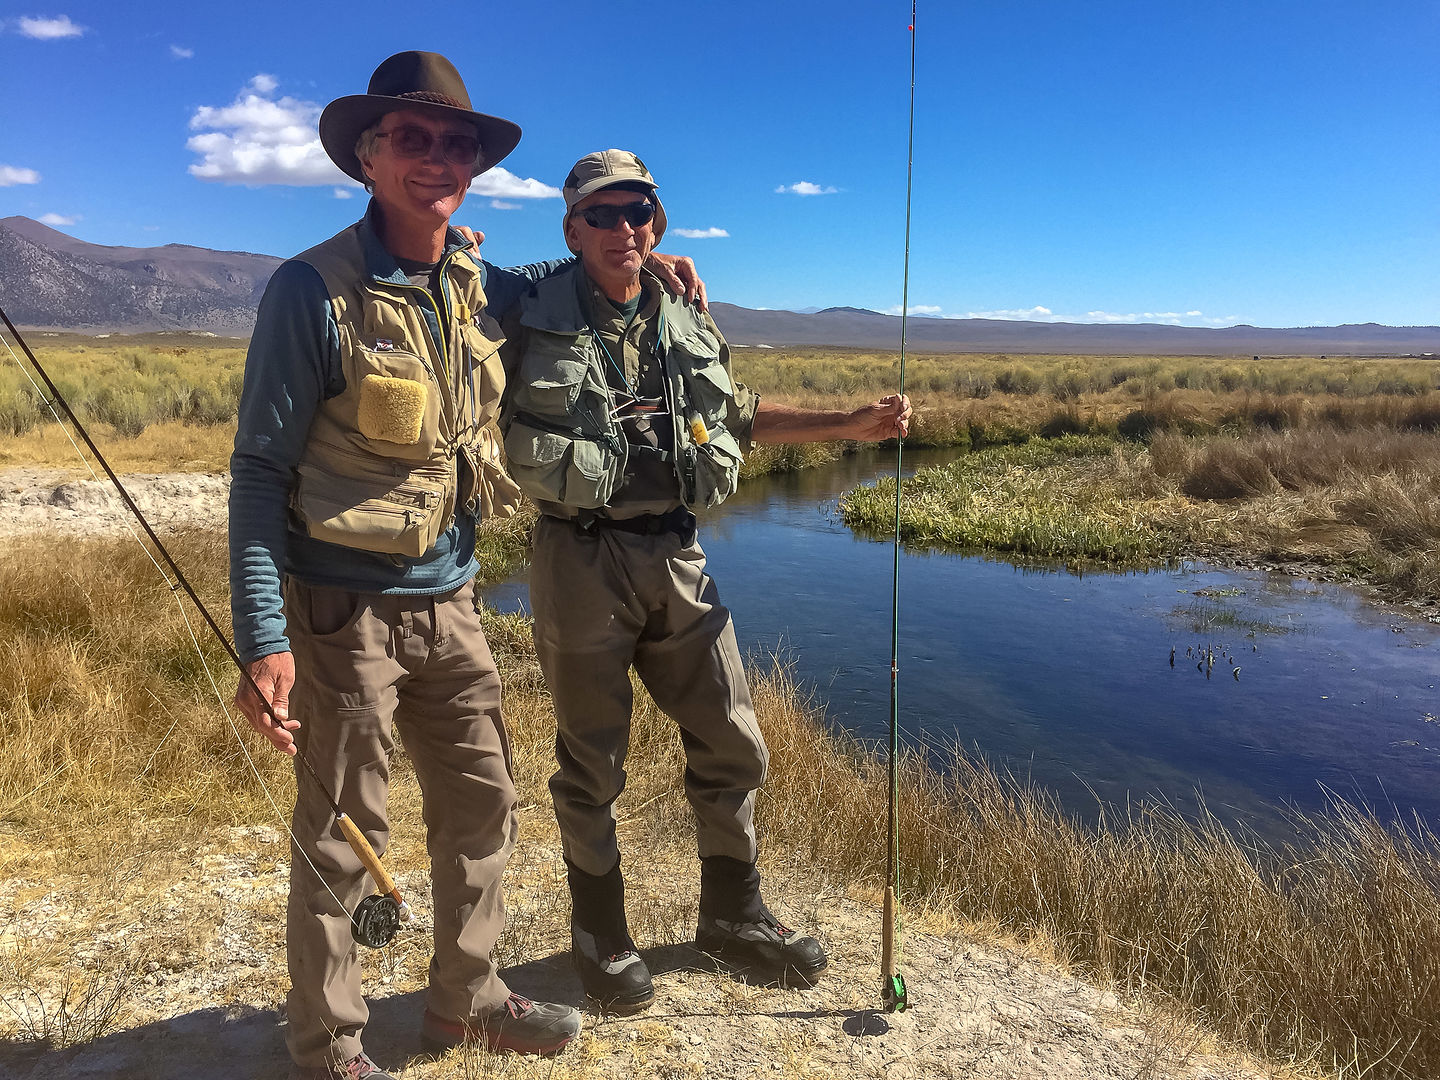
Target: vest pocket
[
  {"x": 488, "y": 380},
  {"x": 491, "y": 492},
  {"x": 371, "y": 514},
  {"x": 405, "y": 387},
  {"x": 561, "y": 467},
  {"x": 555, "y": 391},
  {"x": 717, "y": 468}
]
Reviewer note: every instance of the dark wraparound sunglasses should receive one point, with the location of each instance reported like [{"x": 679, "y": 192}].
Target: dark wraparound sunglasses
[
  {"x": 415, "y": 142},
  {"x": 607, "y": 217}
]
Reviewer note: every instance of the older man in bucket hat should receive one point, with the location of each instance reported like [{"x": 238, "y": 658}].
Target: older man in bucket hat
[
  {"x": 621, "y": 415},
  {"x": 364, "y": 455}
]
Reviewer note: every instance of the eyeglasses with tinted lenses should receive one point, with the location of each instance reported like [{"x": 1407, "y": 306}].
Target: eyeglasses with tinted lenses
[
  {"x": 415, "y": 142},
  {"x": 635, "y": 214}
]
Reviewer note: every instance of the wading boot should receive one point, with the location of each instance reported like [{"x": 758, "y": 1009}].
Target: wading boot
[
  {"x": 520, "y": 1026},
  {"x": 610, "y": 967},
  {"x": 737, "y": 928},
  {"x": 360, "y": 1067}
]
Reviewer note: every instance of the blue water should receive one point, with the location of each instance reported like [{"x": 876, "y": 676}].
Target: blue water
[{"x": 1067, "y": 680}]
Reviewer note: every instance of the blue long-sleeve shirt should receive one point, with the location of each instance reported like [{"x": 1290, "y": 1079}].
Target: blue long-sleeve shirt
[{"x": 292, "y": 365}]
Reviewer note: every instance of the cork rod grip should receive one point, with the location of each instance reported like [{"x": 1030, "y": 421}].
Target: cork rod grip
[{"x": 370, "y": 859}]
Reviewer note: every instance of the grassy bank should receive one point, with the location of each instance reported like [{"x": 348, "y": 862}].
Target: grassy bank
[
  {"x": 115, "y": 757},
  {"x": 1358, "y": 503}
]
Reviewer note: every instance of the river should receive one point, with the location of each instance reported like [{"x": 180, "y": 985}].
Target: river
[{"x": 1067, "y": 680}]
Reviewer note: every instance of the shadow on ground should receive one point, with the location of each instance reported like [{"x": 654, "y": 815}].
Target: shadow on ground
[{"x": 242, "y": 1042}]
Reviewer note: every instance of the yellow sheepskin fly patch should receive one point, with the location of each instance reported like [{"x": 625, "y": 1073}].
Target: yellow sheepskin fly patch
[{"x": 392, "y": 410}]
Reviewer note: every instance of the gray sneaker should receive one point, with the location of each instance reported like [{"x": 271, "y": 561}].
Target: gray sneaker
[
  {"x": 519, "y": 1025},
  {"x": 764, "y": 950},
  {"x": 360, "y": 1067}
]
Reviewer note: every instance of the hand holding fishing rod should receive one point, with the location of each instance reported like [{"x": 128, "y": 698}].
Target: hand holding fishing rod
[
  {"x": 264, "y": 698},
  {"x": 888, "y": 418}
]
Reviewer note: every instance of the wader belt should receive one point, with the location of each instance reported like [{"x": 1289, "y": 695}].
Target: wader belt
[{"x": 679, "y": 521}]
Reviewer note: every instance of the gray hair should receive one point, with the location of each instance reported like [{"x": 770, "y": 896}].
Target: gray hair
[{"x": 365, "y": 148}]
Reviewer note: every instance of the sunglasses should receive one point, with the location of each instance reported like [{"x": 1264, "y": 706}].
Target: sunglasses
[
  {"x": 415, "y": 142},
  {"x": 607, "y": 217}
]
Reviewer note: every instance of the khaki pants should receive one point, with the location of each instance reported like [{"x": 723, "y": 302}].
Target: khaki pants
[
  {"x": 601, "y": 604},
  {"x": 363, "y": 660}
]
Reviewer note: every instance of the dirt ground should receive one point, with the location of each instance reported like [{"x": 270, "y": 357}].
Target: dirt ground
[{"x": 194, "y": 962}]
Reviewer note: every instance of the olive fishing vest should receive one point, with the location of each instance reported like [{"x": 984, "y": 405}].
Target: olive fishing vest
[
  {"x": 379, "y": 468},
  {"x": 562, "y": 442}
]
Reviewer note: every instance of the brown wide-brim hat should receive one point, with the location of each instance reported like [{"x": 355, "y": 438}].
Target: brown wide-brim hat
[
  {"x": 606, "y": 168},
  {"x": 410, "y": 80}
]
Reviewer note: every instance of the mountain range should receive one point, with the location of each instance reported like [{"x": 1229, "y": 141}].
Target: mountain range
[{"x": 52, "y": 281}]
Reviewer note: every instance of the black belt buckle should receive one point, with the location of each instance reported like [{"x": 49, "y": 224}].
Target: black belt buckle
[{"x": 682, "y": 523}]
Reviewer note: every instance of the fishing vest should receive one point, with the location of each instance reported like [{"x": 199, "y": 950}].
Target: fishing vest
[
  {"x": 561, "y": 440},
  {"x": 379, "y": 468}
]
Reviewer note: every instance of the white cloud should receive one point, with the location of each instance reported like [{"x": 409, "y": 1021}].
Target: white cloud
[
  {"x": 259, "y": 139},
  {"x": 49, "y": 29},
  {"x": 1169, "y": 318},
  {"x": 501, "y": 204},
  {"x": 805, "y": 187},
  {"x": 255, "y": 140},
  {"x": 181, "y": 53},
  {"x": 344, "y": 193},
  {"x": 10, "y": 175},
  {"x": 916, "y": 309},
  {"x": 58, "y": 219},
  {"x": 711, "y": 233},
  {"x": 500, "y": 183},
  {"x": 1038, "y": 313},
  {"x": 1034, "y": 314}
]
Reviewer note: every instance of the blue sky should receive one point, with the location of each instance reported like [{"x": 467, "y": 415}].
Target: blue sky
[{"x": 1274, "y": 163}]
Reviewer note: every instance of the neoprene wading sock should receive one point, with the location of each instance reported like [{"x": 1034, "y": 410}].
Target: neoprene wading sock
[
  {"x": 597, "y": 903},
  {"x": 730, "y": 889}
]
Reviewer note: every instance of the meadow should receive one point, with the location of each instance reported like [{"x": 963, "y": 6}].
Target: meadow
[{"x": 115, "y": 752}]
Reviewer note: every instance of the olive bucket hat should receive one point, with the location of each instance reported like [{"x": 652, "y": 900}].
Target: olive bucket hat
[
  {"x": 405, "y": 81},
  {"x": 606, "y": 168}
]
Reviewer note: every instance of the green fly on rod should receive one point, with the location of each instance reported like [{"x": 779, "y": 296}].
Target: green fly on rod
[{"x": 892, "y": 982}]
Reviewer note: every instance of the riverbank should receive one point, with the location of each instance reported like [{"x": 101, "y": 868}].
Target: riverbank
[
  {"x": 160, "y": 927},
  {"x": 1361, "y": 507}
]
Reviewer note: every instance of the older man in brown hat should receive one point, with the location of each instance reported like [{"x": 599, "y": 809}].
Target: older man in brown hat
[
  {"x": 622, "y": 415},
  {"x": 364, "y": 456}
]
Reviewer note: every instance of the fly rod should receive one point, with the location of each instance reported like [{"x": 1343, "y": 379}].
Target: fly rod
[
  {"x": 892, "y": 982},
  {"x": 377, "y": 918}
]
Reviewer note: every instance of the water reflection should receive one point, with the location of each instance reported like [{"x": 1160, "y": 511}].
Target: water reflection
[{"x": 1067, "y": 679}]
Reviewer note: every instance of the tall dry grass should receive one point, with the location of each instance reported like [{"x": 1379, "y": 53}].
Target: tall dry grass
[{"x": 1326, "y": 949}]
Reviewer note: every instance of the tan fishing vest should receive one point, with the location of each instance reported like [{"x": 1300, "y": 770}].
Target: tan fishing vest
[
  {"x": 561, "y": 441},
  {"x": 378, "y": 471}
]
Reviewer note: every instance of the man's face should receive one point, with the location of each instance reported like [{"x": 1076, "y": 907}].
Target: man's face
[
  {"x": 610, "y": 254},
  {"x": 424, "y": 190}
]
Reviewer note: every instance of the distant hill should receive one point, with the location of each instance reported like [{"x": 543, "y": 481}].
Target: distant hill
[
  {"x": 860, "y": 328},
  {"x": 53, "y": 281}
]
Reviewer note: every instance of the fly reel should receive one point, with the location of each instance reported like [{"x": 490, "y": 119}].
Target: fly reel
[{"x": 376, "y": 921}]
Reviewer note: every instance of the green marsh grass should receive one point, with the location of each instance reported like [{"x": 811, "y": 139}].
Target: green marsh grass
[{"x": 1355, "y": 503}]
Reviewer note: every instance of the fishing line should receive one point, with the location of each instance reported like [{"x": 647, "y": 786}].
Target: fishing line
[
  {"x": 376, "y": 918},
  {"x": 892, "y": 982}
]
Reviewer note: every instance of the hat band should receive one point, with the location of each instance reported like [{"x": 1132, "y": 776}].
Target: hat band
[{"x": 433, "y": 98}]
